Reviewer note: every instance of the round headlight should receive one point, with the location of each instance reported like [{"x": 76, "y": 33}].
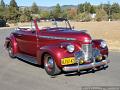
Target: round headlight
[
  {"x": 103, "y": 44},
  {"x": 70, "y": 48}
]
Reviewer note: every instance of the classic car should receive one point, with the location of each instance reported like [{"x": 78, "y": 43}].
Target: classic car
[{"x": 58, "y": 47}]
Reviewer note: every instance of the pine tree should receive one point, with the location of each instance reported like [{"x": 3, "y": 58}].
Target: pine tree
[
  {"x": 2, "y": 4},
  {"x": 115, "y": 8},
  {"x": 85, "y": 7},
  {"x": 14, "y": 4},
  {"x": 2, "y": 9},
  {"x": 57, "y": 11},
  {"x": 13, "y": 11},
  {"x": 58, "y": 8},
  {"x": 92, "y": 10},
  {"x": 34, "y": 8}
]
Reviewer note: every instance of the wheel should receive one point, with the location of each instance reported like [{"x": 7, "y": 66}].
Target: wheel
[
  {"x": 10, "y": 51},
  {"x": 99, "y": 67},
  {"x": 50, "y": 65},
  {"x": 93, "y": 70},
  {"x": 105, "y": 67}
]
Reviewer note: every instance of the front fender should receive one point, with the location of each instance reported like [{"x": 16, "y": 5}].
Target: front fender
[
  {"x": 56, "y": 52},
  {"x": 11, "y": 40},
  {"x": 96, "y": 44}
]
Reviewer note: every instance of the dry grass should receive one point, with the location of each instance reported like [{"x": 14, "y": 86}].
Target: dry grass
[{"x": 109, "y": 31}]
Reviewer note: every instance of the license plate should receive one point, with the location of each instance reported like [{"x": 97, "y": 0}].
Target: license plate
[{"x": 68, "y": 61}]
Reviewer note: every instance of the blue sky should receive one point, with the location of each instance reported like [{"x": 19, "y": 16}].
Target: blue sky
[{"x": 61, "y": 2}]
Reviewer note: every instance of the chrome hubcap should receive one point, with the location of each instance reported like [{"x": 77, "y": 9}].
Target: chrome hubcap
[
  {"x": 49, "y": 64},
  {"x": 10, "y": 51}
]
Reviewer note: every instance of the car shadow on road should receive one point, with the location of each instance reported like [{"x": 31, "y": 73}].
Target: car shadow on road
[
  {"x": 70, "y": 74},
  {"x": 67, "y": 74},
  {"x": 36, "y": 65}
]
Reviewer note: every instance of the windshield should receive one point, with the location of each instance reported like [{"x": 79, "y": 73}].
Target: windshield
[
  {"x": 48, "y": 24},
  {"x": 53, "y": 23}
]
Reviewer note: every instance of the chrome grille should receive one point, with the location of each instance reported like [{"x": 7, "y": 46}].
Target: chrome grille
[{"x": 87, "y": 49}]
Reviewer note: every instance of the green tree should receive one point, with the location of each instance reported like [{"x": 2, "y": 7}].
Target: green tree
[
  {"x": 116, "y": 16},
  {"x": 57, "y": 11},
  {"x": 92, "y": 10},
  {"x": 51, "y": 14},
  {"x": 13, "y": 12},
  {"x": 71, "y": 13},
  {"x": 115, "y": 8},
  {"x": 5, "y": 13},
  {"x": 64, "y": 14},
  {"x": 101, "y": 15},
  {"x": 2, "y": 9},
  {"x": 86, "y": 7},
  {"x": 26, "y": 15},
  {"x": 107, "y": 8},
  {"x": 2, "y": 4},
  {"x": 13, "y": 15},
  {"x": 1, "y": 12},
  {"x": 34, "y": 8},
  {"x": 23, "y": 18},
  {"x": 84, "y": 17},
  {"x": 45, "y": 14},
  {"x": 14, "y": 4},
  {"x": 81, "y": 8}
]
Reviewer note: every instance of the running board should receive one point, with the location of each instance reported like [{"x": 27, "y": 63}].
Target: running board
[{"x": 27, "y": 58}]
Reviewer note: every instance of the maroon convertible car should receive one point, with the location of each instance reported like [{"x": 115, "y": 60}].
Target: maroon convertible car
[{"x": 55, "y": 45}]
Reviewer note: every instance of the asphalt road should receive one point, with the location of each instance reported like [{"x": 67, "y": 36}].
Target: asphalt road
[{"x": 18, "y": 75}]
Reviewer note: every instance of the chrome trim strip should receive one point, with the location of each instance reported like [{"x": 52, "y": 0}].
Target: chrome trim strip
[
  {"x": 87, "y": 66},
  {"x": 59, "y": 38}
]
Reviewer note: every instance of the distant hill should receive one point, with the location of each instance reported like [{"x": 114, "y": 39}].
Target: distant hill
[
  {"x": 68, "y": 6},
  {"x": 52, "y": 7}
]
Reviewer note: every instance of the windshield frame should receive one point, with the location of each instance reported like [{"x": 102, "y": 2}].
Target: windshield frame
[{"x": 53, "y": 21}]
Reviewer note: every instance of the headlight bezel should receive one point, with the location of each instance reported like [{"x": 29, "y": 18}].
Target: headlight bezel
[{"x": 70, "y": 48}]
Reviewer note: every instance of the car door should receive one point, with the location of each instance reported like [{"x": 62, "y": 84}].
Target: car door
[{"x": 27, "y": 42}]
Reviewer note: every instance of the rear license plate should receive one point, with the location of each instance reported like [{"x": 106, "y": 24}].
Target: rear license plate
[{"x": 68, "y": 61}]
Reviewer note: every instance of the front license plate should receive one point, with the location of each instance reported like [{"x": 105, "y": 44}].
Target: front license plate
[{"x": 68, "y": 61}]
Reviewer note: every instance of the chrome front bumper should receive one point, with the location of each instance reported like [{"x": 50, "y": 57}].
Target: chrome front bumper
[{"x": 86, "y": 66}]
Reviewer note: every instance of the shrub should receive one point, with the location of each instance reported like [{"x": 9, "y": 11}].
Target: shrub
[
  {"x": 101, "y": 15},
  {"x": 116, "y": 16}
]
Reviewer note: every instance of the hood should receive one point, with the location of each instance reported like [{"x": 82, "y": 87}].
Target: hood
[{"x": 68, "y": 33}]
